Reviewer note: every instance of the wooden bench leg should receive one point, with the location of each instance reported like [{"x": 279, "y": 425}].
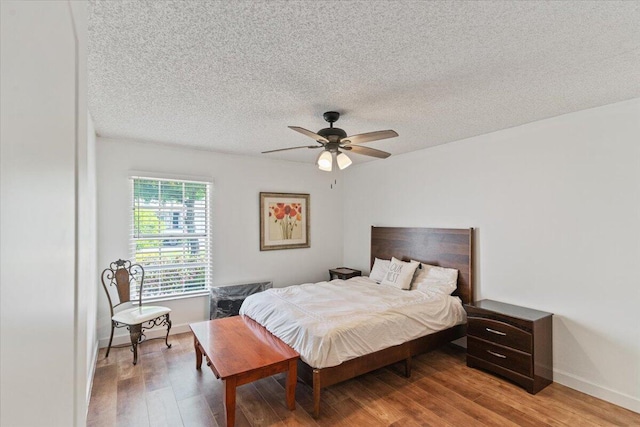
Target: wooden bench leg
[
  {"x": 230, "y": 400},
  {"x": 196, "y": 345},
  {"x": 292, "y": 378}
]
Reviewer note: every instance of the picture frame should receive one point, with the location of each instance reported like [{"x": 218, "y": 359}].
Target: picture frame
[{"x": 284, "y": 221}]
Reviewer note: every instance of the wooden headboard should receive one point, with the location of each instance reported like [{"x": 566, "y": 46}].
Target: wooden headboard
[{"x": 444, "y": 247}]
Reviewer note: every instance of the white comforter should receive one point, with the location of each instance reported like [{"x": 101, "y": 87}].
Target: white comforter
[{"x": 331, "y": 322}]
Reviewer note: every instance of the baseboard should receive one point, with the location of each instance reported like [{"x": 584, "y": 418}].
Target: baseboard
[
  {"x": 152, "y": 333},
  {"x": 94, "y": 361},
  {"x": 584, "y": 386}
]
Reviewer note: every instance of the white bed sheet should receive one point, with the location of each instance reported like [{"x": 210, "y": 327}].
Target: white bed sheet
[{"x": 331, "y": 322}]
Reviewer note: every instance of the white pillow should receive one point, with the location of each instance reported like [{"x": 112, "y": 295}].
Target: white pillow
[
  {"x": 379, "y": 269},
  {"x": 437, "y": 279},
  {"x": 400, "y": 273}
]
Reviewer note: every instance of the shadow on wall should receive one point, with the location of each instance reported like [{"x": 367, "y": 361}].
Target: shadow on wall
[{"x": 569, "y": 351}]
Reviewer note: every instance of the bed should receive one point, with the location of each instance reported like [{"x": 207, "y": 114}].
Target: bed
[{"x": 330, "y": 357}]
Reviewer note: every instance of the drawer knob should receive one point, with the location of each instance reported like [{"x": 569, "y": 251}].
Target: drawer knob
[
  {"x": 493, "y": 331},
  {"x": 501, "y": 356}
]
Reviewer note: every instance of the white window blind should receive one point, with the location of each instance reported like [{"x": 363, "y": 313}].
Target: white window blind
[{"x": 170, "y": 235}]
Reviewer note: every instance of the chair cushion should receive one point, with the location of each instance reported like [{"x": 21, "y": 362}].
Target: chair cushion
[{"x": 140, "y": 314}]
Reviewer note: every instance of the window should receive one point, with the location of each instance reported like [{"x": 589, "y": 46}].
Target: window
[
  {"x": 170, "y": 235},
  {"x": 176, "y": 220}
]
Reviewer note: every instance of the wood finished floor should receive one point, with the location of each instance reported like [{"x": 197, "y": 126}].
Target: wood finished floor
[{"x": 165, "y": 389}]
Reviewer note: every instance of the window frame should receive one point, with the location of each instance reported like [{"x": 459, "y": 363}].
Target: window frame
[{"x": 206, "y": 247}]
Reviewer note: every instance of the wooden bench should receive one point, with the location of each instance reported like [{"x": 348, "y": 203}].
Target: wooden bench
[{"x": 240, "y": 351}]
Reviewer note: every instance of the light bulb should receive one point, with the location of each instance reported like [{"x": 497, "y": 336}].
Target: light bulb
[
  {"x": 343, "y": 161},
  {"x": 325, "y": 160}
]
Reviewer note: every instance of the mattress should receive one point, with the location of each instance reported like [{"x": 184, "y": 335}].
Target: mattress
[{"x": 331, "y": 322}]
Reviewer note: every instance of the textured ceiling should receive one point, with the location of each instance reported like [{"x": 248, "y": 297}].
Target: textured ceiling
[{"x": 231, "y": 76}]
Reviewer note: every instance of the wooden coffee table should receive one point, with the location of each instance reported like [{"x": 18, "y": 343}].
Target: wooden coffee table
[{"x": 239, "y": 351}]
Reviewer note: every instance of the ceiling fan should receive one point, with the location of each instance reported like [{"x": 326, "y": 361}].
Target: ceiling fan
[{"x": 335, "y": 141}]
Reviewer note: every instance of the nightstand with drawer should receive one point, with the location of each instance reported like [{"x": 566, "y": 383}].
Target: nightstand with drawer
[
  {"x": 512, "y": 341},
  {"x": 343, "y": 273}
]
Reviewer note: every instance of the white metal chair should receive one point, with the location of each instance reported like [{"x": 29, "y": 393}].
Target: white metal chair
[{"x": 121, "y": 274}]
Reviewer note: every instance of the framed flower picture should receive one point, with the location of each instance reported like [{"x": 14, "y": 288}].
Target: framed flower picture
[{"x": 284, "y": 221}]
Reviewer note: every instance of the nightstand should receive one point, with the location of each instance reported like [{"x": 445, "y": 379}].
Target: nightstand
[
  {"x": 511, "y": 341},
  {"x": 343, "y": 273}
]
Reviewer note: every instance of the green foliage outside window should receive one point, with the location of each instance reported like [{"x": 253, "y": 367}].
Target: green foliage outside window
[{"x": 146, "y": 221}]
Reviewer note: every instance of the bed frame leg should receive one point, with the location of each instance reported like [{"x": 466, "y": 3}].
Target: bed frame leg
[
  {"x": 407, "y": 367},
  {"x": 316, "y": 393}
]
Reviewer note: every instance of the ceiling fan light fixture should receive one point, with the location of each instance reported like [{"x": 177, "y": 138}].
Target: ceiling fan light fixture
[
  {"x": 343, "y": 161},
  {"x": 325, "y": 161},
  {"x": 333, "y": 139}
]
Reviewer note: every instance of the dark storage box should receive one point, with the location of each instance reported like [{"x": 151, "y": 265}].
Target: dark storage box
[{"x": 225, "y": 301}]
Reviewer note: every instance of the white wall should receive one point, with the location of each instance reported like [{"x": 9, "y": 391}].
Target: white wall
[
  {"x": 86, "y": 300},
  {"x": 237, "y": 182},
  {"x": 556, "y": 207},
  {"x": 43, "y": 339}
]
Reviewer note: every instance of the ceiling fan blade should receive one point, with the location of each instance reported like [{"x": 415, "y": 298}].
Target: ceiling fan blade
[
  {"x": 367, "y": 151},
  {"x": 309, "y": 134},
  {"x": 292, "y": 148},
  {"x": 369, "y": 136}
]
